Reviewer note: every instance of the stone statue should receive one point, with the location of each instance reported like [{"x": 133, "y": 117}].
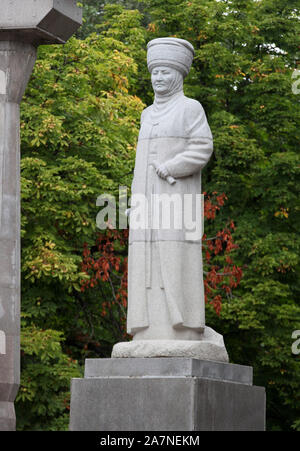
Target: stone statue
[{"x": 166, "y": 308}]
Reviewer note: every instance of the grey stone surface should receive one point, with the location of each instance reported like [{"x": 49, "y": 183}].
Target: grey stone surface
[
  {"x": 175, "y": 367},
  {"x": 228, "y": 407},
  {"x": 131, "y": 404},
  {"x": 39, "y": 21},
  {"x": 16, "y": 63},
  {"x": 24, "y": 24},
  {"x": 177, "y": 395},
  {"x": 7, "y": 416},
  {"x": 205, "y": 348}
]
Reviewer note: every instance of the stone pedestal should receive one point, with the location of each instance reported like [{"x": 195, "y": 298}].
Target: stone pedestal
[{"x": 166, "y": 394}]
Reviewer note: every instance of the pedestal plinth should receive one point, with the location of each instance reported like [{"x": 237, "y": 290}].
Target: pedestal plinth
[{"x": 166, "y": 394}]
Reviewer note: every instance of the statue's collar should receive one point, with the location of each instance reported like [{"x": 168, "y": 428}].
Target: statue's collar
[{"x": 163, "y": 104}]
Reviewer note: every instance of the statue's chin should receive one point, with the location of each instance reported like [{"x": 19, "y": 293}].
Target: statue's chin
[{"x": 161, "y": 91}]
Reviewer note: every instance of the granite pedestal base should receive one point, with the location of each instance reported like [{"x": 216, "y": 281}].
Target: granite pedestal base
[{"x": 166, "y": 394}]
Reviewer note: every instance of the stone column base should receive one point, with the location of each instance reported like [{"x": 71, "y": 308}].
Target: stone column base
[
  {"x": 162, "y": 394},
  {"x": 7, "y": 416}
]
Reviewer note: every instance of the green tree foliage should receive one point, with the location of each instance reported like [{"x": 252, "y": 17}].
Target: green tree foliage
[
  {"x": 94, "y": 13},
  {"x": 44, "y": 399},
  {"x": 79, "y": 128}
]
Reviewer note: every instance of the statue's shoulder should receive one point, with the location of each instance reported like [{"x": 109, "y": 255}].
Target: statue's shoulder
[
  {"x": 146, "y": 112},
  {"x": 192, "y": 106}
]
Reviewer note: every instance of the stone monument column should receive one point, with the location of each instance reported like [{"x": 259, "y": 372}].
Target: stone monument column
[
  {"x": 24, "y": 24},
  {"x": 16, "y": 63}
]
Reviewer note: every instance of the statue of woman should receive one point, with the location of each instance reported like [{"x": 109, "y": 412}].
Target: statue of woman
[{"x": 165, "y": 273}]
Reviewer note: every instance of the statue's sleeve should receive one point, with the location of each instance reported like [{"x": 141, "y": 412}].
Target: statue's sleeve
[{"x": 198, "y": 145}]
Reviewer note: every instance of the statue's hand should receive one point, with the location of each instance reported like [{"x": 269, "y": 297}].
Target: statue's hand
[{"x": 161, "y": 170}]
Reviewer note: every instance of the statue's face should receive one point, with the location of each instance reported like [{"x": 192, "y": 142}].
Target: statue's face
[{"x": 163, "y": 78}]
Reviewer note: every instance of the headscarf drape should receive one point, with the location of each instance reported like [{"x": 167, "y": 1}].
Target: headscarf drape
[{"x": 163, "y": 102}]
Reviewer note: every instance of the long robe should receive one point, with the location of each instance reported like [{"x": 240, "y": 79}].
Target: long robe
[{"x": 165, "y": 273}]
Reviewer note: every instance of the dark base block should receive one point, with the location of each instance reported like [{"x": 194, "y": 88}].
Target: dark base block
[{"x": 174, "y": 394}]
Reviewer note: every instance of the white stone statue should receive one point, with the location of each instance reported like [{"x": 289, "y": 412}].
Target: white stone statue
[{"x": 166, "y": 308}]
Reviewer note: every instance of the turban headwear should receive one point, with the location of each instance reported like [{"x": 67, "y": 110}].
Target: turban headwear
[{"x": 171, "y": 52}]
